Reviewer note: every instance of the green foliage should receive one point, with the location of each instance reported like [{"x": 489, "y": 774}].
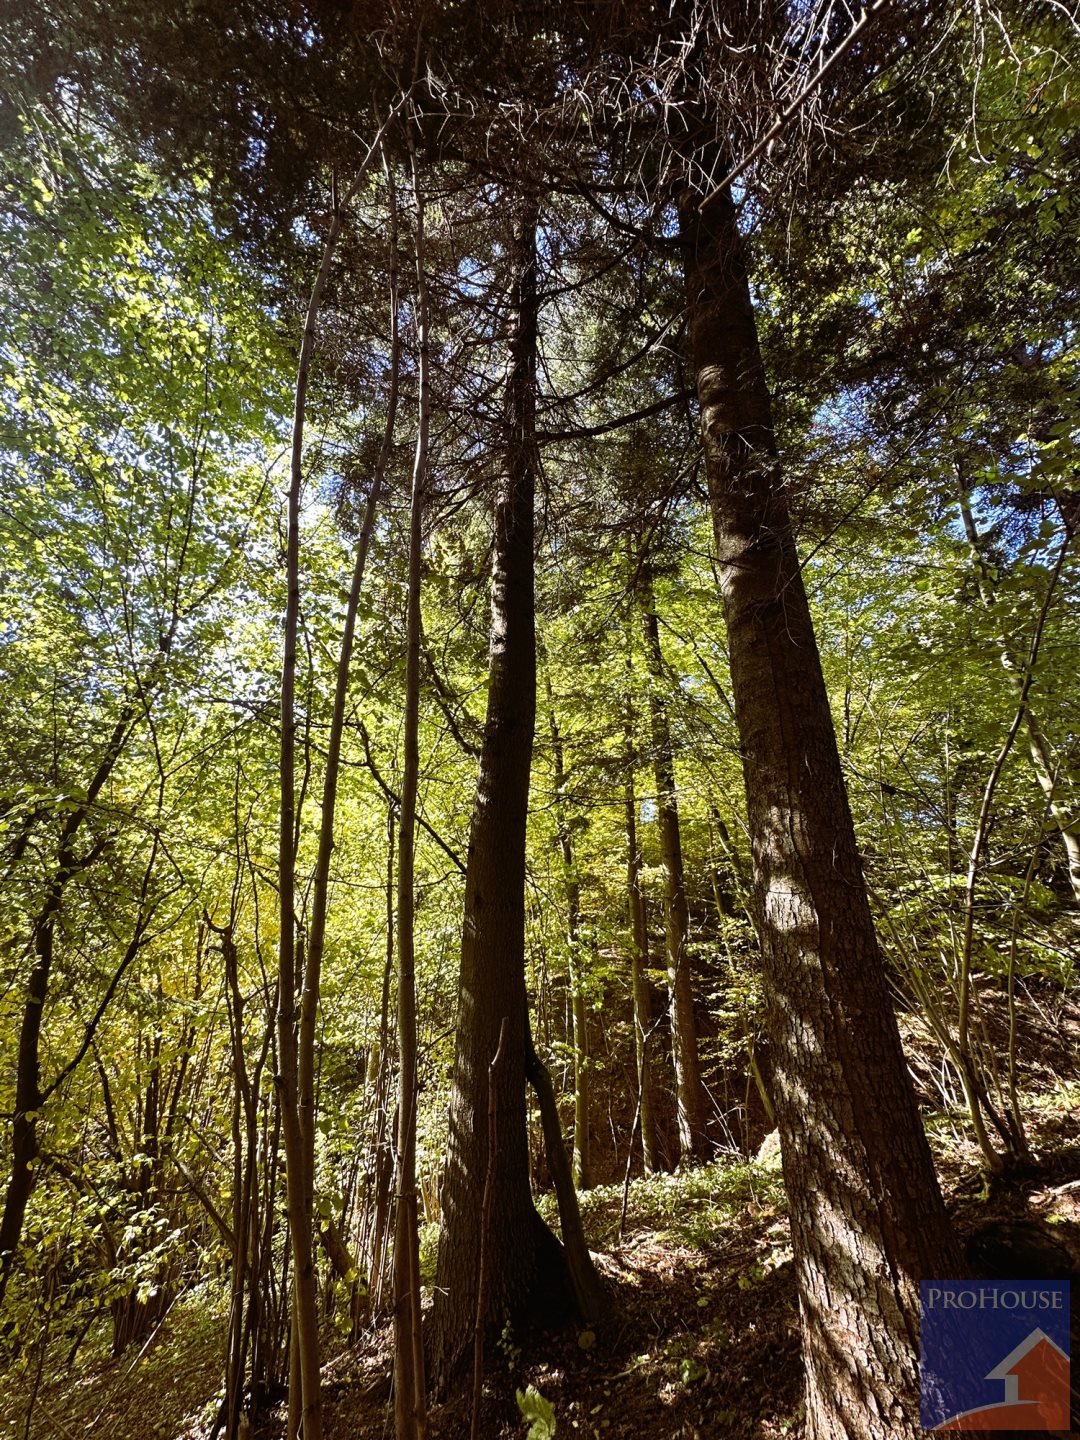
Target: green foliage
[
  {"x": 691, "y": 1206},
  {"x": 920, "y": 331},
  {"x": 540, "y": 1413}
]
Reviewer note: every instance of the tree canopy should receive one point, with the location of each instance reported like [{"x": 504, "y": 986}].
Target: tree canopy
[{"x": 539, "y": 649}]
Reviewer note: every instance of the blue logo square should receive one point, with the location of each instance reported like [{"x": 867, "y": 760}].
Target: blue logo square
[{"x": 994, "y": 1355}]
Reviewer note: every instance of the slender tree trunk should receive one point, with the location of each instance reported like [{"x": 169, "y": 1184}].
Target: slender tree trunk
[
  {"x": 29, "y": 1097},
  {"x": 247, "y": 1276},
  {"x": 521, "y": 1251},
  {"x": 320, "y": 903},
  {"x": 589, "y": 1293},
  {"x": 582, "y": 1168},
  {"x": 867, "y": 1217},
  {"x": 378, "y": 1076},
  {"x": 293, "y": 1081},
  {"x": 242, "y": 1127},
  {"x": 410, "y": 1409},
  {"x": 1057, "y": 784},
  {"x": 693, "y": 1103},
  {"x": 639, "y": 961}
]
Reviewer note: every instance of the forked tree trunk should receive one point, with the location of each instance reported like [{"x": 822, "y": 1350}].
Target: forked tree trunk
[
  {"x": 866, "y": 1213},
  {"x": 520, "y": 1251},
  {"x": 692, "y": 1101}
]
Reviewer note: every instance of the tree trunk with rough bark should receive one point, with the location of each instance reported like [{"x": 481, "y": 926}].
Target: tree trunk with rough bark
[
  {"x": 867, "y": 1217},
  {"x": 525, "y": 1265}
]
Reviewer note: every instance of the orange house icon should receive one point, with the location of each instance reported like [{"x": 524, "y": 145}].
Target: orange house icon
[{"x": 1036, "y": 1379}]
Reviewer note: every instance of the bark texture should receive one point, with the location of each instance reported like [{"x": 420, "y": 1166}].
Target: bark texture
[
  {"x": 867, "y": 1216},
  {"x": 491, "y": 988}
]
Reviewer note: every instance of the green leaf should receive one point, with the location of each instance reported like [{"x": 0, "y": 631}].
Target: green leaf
[{"x": 539, "y": 1412}]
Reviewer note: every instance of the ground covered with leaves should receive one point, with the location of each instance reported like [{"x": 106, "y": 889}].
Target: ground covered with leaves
[
  {"x": 702, "y": 1340},
  {"x": 702, "y": 1336}
]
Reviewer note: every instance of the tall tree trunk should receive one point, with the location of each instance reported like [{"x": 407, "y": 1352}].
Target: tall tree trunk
[
  {"x": 295, "y": 1081},
  {"x": 867, "y": 1217},
  {"x": 520, "y": 1250},
  {"x": 247, "y": 1277},
  {"x": 641, "y": 991},
  {"x": 693, "y": 1103},
  {"x": 295, "y": 1097},
  {"x": 410, "y": 1411},
  {"x": 379, "y": 1080},
  {"x": 1058, "y": 785},
  {"x": 320, "y": 903},
  {"x": 572, "y": 887}
]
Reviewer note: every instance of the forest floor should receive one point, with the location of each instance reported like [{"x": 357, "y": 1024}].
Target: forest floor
[{"x": 702, "y": 1341}]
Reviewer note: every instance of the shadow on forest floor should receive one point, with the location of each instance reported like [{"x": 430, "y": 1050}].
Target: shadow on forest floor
[{"x": 703, "y": 1341}]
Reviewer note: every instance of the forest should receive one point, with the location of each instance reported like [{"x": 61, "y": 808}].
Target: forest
[{"x": 539, "y": 755}]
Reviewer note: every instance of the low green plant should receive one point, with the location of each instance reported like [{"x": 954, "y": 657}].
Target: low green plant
[{"x": 540, "y": 1413}]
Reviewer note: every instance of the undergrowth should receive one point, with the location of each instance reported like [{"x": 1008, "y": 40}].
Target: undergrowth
[{"x": 689, "y": 1207}]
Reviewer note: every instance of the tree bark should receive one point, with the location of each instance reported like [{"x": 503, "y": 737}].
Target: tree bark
[
  {"x": 521, "y": 1250},
  {"x": 692, "y": 1101},
  {"x": 589, "y": 1293},
  {"x": 867, "y": 1217},
  {"x": 410, "y": 1408}
]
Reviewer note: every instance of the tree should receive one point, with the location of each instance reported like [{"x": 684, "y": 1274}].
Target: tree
[
  {"x": 114, "y": 391},
  {"x": 621, "y": 173},
  {"x": 841, "y": 1087},
  {"x": 572, "y": 886},
  {"x": 410, "y": 1412},
  {"x": 521, "y": 1257},
  {"x": 690, "y": 1089}
]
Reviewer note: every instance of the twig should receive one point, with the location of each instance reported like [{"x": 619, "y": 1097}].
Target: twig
[
  {"x": 395, "y": 800},
  {"x": 153, "y": 1336},
  {"x": 58, "y": 1425},
  {"x": 796, "y": 105}
]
